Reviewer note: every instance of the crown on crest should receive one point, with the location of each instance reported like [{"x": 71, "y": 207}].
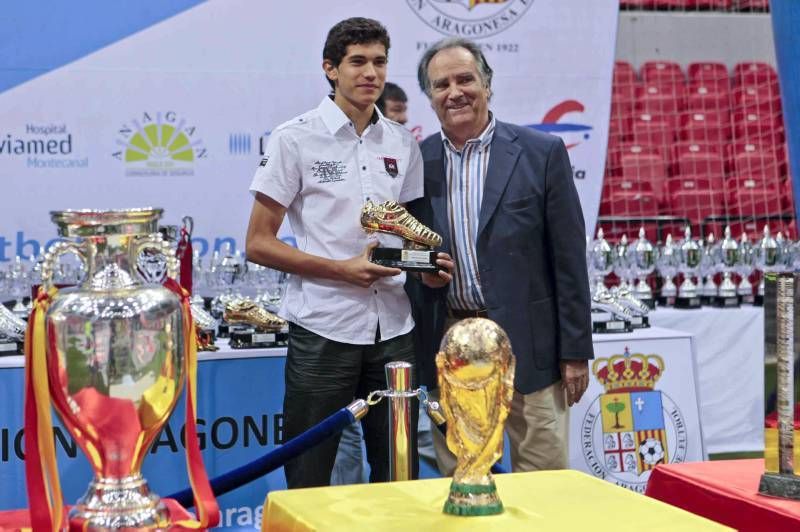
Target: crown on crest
[{"x": 628, "y": 372}]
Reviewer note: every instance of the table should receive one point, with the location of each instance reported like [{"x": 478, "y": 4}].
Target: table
[
  {"x": 626, "y": 423},
  {"x": 725, "y": 491},
  {"x": 730, "y": 371},
  {"x": 541, "y": 501}
]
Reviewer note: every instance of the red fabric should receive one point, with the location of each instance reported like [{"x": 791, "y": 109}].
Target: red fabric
[
  {"x": 185, "y": 256},
  {"x": 19, "y": 519},
  {"x": 725, "y": 491}
]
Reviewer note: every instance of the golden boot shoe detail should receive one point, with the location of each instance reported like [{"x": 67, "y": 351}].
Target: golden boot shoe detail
[
  {"x": 391, "y": 217},
  {"x": 249, "y": 313}
]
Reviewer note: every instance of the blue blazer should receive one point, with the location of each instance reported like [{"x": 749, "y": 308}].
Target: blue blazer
[{"x": 531, "y": 255}]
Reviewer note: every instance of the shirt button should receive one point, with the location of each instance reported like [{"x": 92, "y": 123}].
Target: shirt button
[
  {"x": 376, "y": 291},
  {"x": 363, "y": 167},
  {"x": 361, "y": 142}
]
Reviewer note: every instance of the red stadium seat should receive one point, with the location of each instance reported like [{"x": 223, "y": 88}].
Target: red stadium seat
[
  {"x": 633, "y": 204},
  {"x": 757, "y": 164},
  {"x": 705, "y": 126},
  {"x": 701, "y": 164},
  {"x": 754, "y": 73},
  {"x": 697, "y": 204},
  {"x": 631, "y": 148},
  {"x": 661, "y": 71},
  {"x": 707, "y": 96},
  {"x": 755, "y": 202},
  {"x": 650, "y": 167},
  {"x": 660, "y": 98},
  {"x": 693, "y": 183},
  {"x": 654, "y": 130},
  {"x": 753, "y": 5},
  {"x": 723, "y": 5},
  {"x": 624, "y": 73},
  {"x": 756, "y": 98},
  {"x": 709, "y": 72}
]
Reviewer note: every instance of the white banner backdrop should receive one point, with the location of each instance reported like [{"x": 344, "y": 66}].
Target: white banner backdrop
[
  {"x": 640, "y": 409},
  {"x": 107, "y": 130}
]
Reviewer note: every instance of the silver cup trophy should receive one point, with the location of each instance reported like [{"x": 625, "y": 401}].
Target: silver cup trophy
[
  {"x": 644, "y": 260},
  {"x": 689, "y": 261},
  {"x": 667, "y": 264},
  {"x": 729, "y": 258},
  {"x": 747, "y": 263}
]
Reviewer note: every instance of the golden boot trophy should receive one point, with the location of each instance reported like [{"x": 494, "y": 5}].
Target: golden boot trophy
[
  {"x": 476, "y": 383},
  {"x": 390, "y": 217},
  {"x": 253, "y": 326}
]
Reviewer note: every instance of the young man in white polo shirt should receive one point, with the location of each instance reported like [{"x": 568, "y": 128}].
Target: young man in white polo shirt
[{"x": 348, "y": 317}]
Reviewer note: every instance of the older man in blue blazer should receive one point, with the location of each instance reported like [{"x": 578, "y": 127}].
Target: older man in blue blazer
[{"x": 503, "y": 199}]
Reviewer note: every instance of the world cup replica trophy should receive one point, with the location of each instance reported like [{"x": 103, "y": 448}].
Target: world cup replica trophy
[
  {"x": 417, "y": 254},
  {"x": 115, "y": 355},
  {"x": 476, "y": 383},
  {"x": 782, "y": 378}
]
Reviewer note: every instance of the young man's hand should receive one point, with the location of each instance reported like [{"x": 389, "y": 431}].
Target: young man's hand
[
  {"x": 361, "y": 272},
  {"x": 441, "y": 277}
]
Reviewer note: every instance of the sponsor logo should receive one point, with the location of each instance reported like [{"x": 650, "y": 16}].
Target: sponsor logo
[
  {"x": 42, "y": 146},
  {"x": 328, "y": 171},
  {"x": 158, "y": 144},
  {"x": 632, "y": 427},
  {"x": 475, "y": 19},
  {"x": 573, "y": 133},
  {"x": 244, "y": 143}
]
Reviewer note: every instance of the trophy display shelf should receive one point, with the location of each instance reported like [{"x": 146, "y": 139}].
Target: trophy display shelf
[
  {"x": 688, "y": 302},
  {"x": 417, "y": 254},
  {"x": 252, "y": 326}
]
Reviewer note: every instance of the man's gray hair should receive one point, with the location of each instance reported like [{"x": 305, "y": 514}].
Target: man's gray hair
[{"x": 484, "y": 69}]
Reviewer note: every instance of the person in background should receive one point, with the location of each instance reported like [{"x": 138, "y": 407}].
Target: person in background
[{"x": 393, "y": 103}]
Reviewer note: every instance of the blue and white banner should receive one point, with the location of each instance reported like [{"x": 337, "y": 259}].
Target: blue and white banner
[{"x": 169, "y": 103}]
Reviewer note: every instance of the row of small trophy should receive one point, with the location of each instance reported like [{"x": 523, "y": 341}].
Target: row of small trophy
[{"x": 697, "y": 262}]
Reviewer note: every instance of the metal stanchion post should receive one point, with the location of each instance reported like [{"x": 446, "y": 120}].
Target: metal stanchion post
[{"x": 399, "y": 393}]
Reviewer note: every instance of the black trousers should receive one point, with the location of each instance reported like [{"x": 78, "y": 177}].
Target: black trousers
[{"x": 323, "y": 376}]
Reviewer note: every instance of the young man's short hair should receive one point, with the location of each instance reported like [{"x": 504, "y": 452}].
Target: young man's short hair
[{"x": 355, "y": 30}]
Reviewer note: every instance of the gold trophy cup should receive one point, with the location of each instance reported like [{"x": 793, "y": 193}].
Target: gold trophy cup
[
  {"x": 417, "y": 254},
  {"x": 476, "y": 383}
]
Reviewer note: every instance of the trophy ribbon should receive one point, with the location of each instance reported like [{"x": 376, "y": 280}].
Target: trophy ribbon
[
  {"x": 44, "y": 489},
  {"x": 185, "y": 253}
]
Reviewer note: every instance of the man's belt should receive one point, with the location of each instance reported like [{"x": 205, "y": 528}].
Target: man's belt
[{"x": 462, "y": 314}]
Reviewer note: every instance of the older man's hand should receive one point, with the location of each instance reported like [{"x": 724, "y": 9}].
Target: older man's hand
[{"x": 574, "y": 379}]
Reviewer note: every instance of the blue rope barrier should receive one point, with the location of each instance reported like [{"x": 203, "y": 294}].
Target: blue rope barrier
[{"x": 271, "y": 461}]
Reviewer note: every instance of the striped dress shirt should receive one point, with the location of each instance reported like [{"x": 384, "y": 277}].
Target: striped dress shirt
[{"x": 465, "y": 172}]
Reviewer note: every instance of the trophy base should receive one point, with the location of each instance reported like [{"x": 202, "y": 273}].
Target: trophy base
[
  {"x": 640, "y": 322},
  {"x": 473, "y": 500},
  {"x": 10, "y": 348},
  {"x": 748, "y": 299},
  {"x": 758, "y": 300},
  {"x": 666, "y": 301},
  {"x": 223, "y": 330},
  {"x": 410, "y": 260},
  {"x": 252, "y": 339},
  {"x": 783, "y": 486},
  {"x": 610, "y": 325},
  {"x": 124, "y": 503},
  {"x": 706, "y": 300},
  {"x": 725, "y": 301},
  {"x": 688, "y": 302}
]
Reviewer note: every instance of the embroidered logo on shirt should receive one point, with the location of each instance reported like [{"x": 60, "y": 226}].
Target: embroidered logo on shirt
[
  {"x": 390, "y": 165},
  {"x": 329, "y": 171},
  {"x": 264, "y": 161}
]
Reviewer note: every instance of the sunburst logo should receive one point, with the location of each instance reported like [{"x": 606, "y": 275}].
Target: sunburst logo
[{"x": 159, "y": 144}]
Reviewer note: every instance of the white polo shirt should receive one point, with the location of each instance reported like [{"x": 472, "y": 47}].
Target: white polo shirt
[{"x": 322, "y": 172}]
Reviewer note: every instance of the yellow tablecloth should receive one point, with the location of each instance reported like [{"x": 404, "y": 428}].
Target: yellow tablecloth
[{"x": 546, "y": 500}]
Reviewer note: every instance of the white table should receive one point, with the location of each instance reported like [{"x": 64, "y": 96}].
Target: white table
[{"x": 730, "y": 372}]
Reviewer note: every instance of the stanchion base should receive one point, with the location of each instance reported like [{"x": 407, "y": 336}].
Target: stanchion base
[{"x": 783, "y": 486}]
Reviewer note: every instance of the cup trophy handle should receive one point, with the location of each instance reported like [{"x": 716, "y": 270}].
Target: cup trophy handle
[
  {"x": 156, "y": 242},
  {"x": 54, "y": 253}
]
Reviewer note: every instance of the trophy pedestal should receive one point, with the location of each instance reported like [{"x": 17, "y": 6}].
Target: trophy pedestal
[
  {"x": 688, "y": 302},
  {"x": 748, "y": 299},
  {"x": 410, "y": 260},
  {"x": 250, "y": 338},
  {"x": 640, "y": 322},
  {"x": 725, "y": 301},
  {"x": 223, "y": 330},
  {"x": 758, "y": 300},
  {"x": 605, "y": 322},
  {"x": 776, "y": 485},
  {"x": 666, "y": 301},
  {"x": 649, "y": 301},
  {"x": 706, "y": 300},
  {"x": 124, "y": 503},
  {"x": 10, "y": 347}
]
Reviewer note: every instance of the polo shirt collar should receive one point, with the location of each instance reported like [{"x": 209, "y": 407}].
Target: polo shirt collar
[{"x": 334, "y": 118}]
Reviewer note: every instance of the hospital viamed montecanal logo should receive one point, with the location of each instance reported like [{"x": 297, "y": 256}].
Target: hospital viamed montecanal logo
[
  {"x": 632, "y": 427},
  {"x": 158, "y": 144},
  {"x": 474, "y": 19}
]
